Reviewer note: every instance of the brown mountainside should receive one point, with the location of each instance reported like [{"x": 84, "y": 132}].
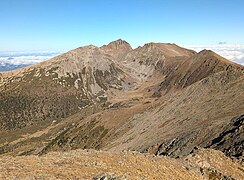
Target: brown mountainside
[{"x": 159, "y": 98}]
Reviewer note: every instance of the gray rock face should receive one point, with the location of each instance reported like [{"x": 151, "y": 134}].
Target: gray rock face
[{"x": 231, "y": 140}]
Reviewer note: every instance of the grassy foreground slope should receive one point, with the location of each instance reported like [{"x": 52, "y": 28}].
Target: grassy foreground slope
[{"x": 91, "y": 164}]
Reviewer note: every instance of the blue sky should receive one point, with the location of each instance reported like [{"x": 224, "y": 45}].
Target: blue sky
[{"x": 63, "y": 24}]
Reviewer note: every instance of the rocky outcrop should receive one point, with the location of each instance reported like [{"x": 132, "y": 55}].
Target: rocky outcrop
[{"x": 231, "y": 140}]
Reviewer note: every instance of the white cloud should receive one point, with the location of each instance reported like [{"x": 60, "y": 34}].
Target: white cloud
[
  {"x": 234, "y": 53},
  {"x": 28, "y": 53},
  {"x": 20, "y": 59},
  {"x": 23, "y": 60}
]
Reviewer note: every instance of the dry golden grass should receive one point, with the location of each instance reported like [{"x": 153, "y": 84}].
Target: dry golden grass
[{"x": 86, "y": 164}]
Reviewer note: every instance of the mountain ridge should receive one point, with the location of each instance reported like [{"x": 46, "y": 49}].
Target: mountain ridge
[{"x": 159, "y": 98}]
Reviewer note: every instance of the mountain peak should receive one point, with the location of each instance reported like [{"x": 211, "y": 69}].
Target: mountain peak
[
  {"x": 168, "y": 49},
  {"x": 208, "y": 54},
  {"x": 206, "y": 51},
  {"x": 120, "y": 41},
  {"x": 117, "y": 44},
  {"x": 117, "y": 49}
]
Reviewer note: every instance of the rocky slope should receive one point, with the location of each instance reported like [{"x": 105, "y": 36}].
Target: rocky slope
[
  {"x": 60, "y": 87},
  {"x": 231, "y": 140},
  {"x": 160, "y": 99}
]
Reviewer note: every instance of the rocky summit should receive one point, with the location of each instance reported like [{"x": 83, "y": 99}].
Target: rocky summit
[{"x": 164, "y": 110}]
